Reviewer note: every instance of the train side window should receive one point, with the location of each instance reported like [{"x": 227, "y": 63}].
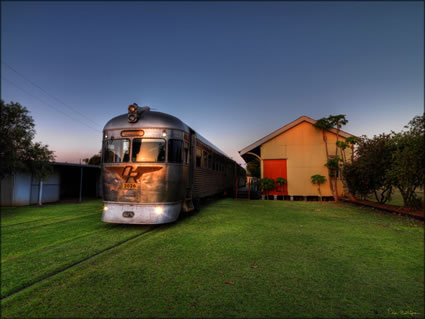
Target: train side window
[
  {"x": 204, "y": 159},
  {"x": 209, "y": 161},
  {"x": 198, "y": 157},
  {"x": 117, "y": 151},
  {"x": 186, "y": 152},
  {"x": 148, "y": 150},
  {"x": 175, "y": 151}
]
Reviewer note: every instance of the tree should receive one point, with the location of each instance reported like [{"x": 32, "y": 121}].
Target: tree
[
  {"x": 338, "y": 121},
  {"x": 18, "y": 152},
  {"x": 253, "y": 168},
  {"x": 343, "y": 145},
  {"x": 281, "y": 181},
  {"x": 333, "y": 168},
  {"x": 368, "y": 171},
  {"x": 407, "y": 171},
  {"x": 94, "y": 160},
  {"x": 266, "y": 185},
  {"x": 318, "y": 179},
  {"x": 324, "y": 125}
]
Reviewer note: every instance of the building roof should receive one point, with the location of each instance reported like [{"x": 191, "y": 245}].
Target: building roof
[
  {"x": 284, "y": 129},
  {"x": 74, "y": 164}
]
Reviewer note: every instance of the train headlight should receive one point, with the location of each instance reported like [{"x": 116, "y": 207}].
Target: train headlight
[
  {"x": 105, "y": 208},
  {"x": 164, "y": 133},
  {"x": 132, "y": 113},
  {"x": 159, "y": 210}
]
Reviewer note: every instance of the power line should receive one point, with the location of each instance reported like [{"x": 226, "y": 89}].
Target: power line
[
  {"x": 49, "y": 105},
  {"x": 47, "y": 93}
]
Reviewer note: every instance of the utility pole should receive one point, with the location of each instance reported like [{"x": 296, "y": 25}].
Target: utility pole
[{"x": 40, "y": 192}]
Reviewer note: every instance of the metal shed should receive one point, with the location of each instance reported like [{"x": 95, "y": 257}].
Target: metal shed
[{"x": 68, "y": 182}]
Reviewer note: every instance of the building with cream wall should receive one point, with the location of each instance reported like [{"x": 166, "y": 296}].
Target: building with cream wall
[{"x": 297, "y": 151}]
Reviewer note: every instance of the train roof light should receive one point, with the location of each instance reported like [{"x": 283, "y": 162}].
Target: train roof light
[
  {"x": 132, "y": 108},
  {"x": 132, "y": 113}
]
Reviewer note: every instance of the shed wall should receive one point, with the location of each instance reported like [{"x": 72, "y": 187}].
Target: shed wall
[
  {"x": 304, "y": 149},
  {"x": 51, "y": 188},
  {"x": 22, "y": 189},
  {"x": 7, "y": 191}
]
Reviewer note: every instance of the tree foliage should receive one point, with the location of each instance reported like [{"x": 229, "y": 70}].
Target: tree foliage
[
  {"x": 407, "y": 171},
  {"x": 253, "y": 168},
  {"x": 333, "y": 166},
  {"x": 18, "y": 152},
  {"x": 266, "y": 185},
  {"x": 94, "y": 160},
  {"x": 368, "y": 172},
  {"x": 325, "y": 124},
  {"x": 387, "y": 161},
  {"x": 318, "y": 179},
  {"x": 281, "y": 181}
]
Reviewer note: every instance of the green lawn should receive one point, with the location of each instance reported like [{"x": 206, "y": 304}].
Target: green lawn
[{"x": 234, "y": 259}]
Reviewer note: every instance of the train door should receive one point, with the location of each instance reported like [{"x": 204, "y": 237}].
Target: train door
[
  {"x": 192, "y": 159},
  {"x": 190, "y": 144}
]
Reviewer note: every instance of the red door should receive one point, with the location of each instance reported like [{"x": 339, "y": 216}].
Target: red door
[{"x": 274, "y": 169}]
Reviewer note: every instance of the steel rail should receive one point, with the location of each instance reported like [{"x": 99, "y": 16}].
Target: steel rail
[{"x": 5, "y": 227}]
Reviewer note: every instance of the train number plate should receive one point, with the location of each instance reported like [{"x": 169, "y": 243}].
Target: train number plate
[{"x": 129, "y": 185}]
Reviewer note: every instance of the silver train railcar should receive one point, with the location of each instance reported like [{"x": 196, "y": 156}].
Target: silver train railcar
[{"x": 154, "y": 166}]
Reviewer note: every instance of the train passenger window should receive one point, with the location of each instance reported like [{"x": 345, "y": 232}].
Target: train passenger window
[
  {"x": 198, "y": 157},
  {"x": 204, "y": 159},
  {"x": 148, "y": 150},
  {"x": 117, "y": 151},
  {"x": 175, "y": 151},
  {"x": 186, "y": 152},
  {"x": 209, "y": 161}
]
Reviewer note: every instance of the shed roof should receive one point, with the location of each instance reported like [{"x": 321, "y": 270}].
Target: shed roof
[{"x": 285, "y": 128}]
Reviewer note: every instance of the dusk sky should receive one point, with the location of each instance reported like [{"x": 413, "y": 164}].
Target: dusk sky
[{"x": 233, "y": 71}]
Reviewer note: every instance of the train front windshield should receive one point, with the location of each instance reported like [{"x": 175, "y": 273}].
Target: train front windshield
[
  {"x": 143, "y": 150},
  {"x": 148, "y": 150},
  {"x": 117, "y": 151}
]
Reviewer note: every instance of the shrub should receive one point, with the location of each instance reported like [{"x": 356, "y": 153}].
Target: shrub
[{"x": 266, "y": 185}]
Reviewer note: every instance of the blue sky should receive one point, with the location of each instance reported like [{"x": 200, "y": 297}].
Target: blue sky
[{"x": 234, "y": 71}]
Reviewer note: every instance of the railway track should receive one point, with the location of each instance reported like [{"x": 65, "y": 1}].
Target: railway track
[
  {"x": 75, "y": 264},
  {"x": 7, "y": 227}
]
